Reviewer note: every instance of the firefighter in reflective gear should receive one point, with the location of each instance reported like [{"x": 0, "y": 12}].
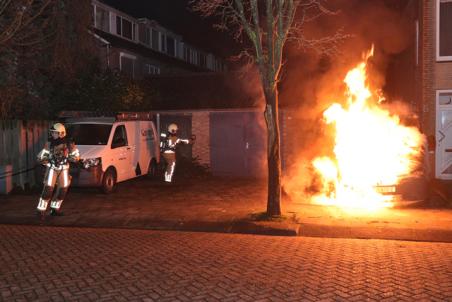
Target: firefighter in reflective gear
[
  {"x": 168, "y": 144},
  {"x": 56, "y": 155}
]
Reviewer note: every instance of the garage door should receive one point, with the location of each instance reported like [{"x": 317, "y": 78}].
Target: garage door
[{"x": 238, "y": 144}]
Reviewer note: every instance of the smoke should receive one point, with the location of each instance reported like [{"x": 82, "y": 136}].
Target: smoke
[
  {"x": 311, "y": 82},
  {"x": 246, "y": 83}
]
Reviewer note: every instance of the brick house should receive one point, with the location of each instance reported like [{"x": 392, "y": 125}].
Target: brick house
[
  {"x": 435, "y": 80},
  {"x": 425, "y": 78},
  {"x": 139, "y": 47}
]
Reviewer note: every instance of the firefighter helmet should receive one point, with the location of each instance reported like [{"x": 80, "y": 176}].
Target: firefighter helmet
[
  {"x": 59, "y": 128},
  {"x": 172, "y": 128}
]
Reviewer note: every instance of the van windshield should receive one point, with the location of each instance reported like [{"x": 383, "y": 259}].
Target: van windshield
[{"x": 89, "y": 134}]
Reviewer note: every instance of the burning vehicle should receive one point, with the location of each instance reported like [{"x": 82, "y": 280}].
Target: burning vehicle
[{"x": 373, "y": 150}]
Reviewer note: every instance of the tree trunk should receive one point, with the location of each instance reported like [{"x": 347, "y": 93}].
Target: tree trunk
[{"x": 273, "y": 152}]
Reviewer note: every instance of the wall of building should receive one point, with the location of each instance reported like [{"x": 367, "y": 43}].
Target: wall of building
[
  {"x": 200, "y": 128},
  {"x": 435, "y": 75},
  {"x": 428, "y": 67}
]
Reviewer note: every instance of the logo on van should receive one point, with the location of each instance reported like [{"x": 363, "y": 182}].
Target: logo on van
[{"x": 147, "y": 132}]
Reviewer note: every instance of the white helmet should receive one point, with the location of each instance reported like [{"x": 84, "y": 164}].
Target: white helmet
[
  {"x": 172, "y": 128},
  {"x": 59, "y": 128}
]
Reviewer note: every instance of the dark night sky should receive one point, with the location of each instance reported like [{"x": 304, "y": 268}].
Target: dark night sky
[{"x": 175, "y": 15}]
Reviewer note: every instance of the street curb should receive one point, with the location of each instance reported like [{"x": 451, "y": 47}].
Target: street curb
[
  {"x": 266, "y": 228},
  {"x": 386, "y": 233},
  {"x": 233, "y": 226},
  {"x": 245, "y": 226}
]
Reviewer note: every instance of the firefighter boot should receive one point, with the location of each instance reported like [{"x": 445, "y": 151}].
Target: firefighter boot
[
  {"x": 41, "y": 208},
  {"x": 55, "y": 208}
]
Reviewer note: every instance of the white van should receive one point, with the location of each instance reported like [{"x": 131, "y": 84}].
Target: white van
[{"x": 113, "y": 149}]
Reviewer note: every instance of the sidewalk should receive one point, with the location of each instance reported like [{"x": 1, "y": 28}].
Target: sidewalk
[{"x": 226, "y": 205}]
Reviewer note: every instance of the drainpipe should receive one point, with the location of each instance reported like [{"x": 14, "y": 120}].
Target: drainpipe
[
  {"x": 158, "y": 123},
  {"x": 108, "y": 55}
]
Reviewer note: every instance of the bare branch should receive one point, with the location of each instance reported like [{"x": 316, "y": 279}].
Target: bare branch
[
  {"x": 327, "y": 45},
  {"x": 277, "y": 28},
  {"x": 270, "y": 38},
  {"x": 22, "y": 22},
  {"x": 4, "y": 5}
]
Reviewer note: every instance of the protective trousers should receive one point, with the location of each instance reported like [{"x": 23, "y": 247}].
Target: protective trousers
[
  {"x": 54, "y": 178},
  {"x": 170, "y": 158}
]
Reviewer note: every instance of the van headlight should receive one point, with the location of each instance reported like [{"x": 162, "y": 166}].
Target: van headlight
[{"x": 91, "y": 162}]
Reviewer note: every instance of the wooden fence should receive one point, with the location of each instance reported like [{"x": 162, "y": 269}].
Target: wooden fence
[{"x": 20, "y": 142}]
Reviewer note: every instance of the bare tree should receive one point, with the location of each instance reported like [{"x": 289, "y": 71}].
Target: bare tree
[
  {"x": 25, "y": 26},
  {"x": 268, "y": 25},
  {"x": 23, "y": 23}
]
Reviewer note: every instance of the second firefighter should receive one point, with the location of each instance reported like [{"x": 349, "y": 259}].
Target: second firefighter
[{"x": 168, "y": 144}]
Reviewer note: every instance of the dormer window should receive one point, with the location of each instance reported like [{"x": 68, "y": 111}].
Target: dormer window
[
  {"x": 170, "y": 46},
  {"x": 155, "y": 39},
  {"x": 125, "y": 28},
  {"x": 102, "y": 19},
  {"x": 144, "y": 35}
]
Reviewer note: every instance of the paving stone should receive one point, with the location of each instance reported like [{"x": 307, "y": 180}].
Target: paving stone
[{"x": 140, "y": 265}]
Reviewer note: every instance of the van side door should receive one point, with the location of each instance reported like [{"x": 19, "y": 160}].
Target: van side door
[{"x": 120, "y": 151}]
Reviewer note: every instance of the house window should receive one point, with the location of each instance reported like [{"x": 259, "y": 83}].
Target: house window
[
  {"x": 444, "y": 30},
  {"x": 162, "y": 42},
  {"x": 170, "y": 46},
  {"x": 187, "y": 54},
  {"x": 444, "y": 98},
  {"x": 194, "y": 57},
  {"x": 127, "y": 64},
  {"x": 155, "y": 39},
  {"x": 202, "y": 60},
  {"x": 125, "y": 28},
  {"x": 92, "y": 15},
  {"x": 102, "y": 19},
  {"x": 145, "y": 35},
  {"x": 216, "y": 65},
  {"x": 151, "y": 69}
]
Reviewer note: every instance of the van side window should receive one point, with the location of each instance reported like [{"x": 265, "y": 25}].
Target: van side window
[{"x": 120, "y": 137}]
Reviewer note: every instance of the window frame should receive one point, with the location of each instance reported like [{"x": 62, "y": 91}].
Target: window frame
[
  {"x": 438, "y": 93},
  {"x": 154, "y": 68},
  {"x": 96, "y": 7},
  {"x": 128, "y": 56},
  {"x": 148, "y": 36},
  {"x": 440, "y": 58},
  {"x": 121, "y": 28},
  {"x": 155, "y": 37},
  {"x": 168, "y": 52},
  {"x": 187, "y": 53},
  {"x": 162, "y": 42}
]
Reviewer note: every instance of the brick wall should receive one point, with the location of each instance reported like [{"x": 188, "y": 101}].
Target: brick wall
[
  {"x": 201, "y": 128},
  {"x": 435, "y": 75},
  {"x": 428, "y": 66}
]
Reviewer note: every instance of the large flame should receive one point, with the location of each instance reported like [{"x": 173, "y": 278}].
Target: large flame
[{"x": 371, "y": 148}]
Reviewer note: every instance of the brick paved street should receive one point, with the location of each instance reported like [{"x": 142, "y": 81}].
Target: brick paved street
[
  {"x": 86, "y": 264},
  {"x": 225, "y": 205}
]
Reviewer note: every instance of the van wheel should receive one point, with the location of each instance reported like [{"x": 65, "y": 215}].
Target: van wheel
[
  {"x": 109, "y": 181},
  {"x": 152, "y": 170}
]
